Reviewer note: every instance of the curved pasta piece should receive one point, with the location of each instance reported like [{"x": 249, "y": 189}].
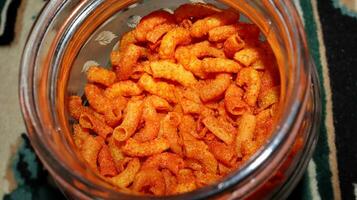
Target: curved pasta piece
[
  {"x": 189, "y": 56},
  {"x": 222, "y": 152},
  {"x": 216, "y": 65},
  {"x": 213, "y": 105},
  {"x": 248, "y": 55},
  {"x": 268, "y": 97},
  {"x": 166, "y": 160},
  {"x": 112, "y": 109},
  {"x": 75, "y": 106},
  {"x": 128, "y": 58},
  {"x": 260, "y": 64},
  {"x": 119, "y": 103},
  {"x": 263, "y": 129},
  {"x": 168, "y": 130},
  {"x": 270, "y": 78},
  {"x": 191, "y": 107},
  {"x": 90, "y": 150},
  {"x": 126, "y": 177},
  {"x": 228, "y": 118},
  {"x": 227, "y": 124},
  {"x": 186, "y": 58},
  {"x": 151, "y": 180},
  {"x": 79, "y": 135},
  {"x": 191, "y": 94},
  {"x": 233, "y": 100},
  {"x": 195, "y": 11},
  {"x": 127, "y": 39},
  {"x": 123, "y": 88},
  {"x": 198, "y": 150},
  {"x": 202, "y": 133},
  {"x": 173, "y": 38},
  {"x": 115, "y": 58},
  {"x": 114, "y": 114},
  {"x": 203, "y": 26},
  {"x": 263, "y": 116},
  {"x": 159, "y": 103},
  {"x": 172, "y": 71},
  {"x": 152, "y": 124},
  {"x": 159, "y": 31},
  {"x": 193, "y": 164},
  {"x": 177, "y": 109},
  {"x": 222, "y": 33},
  {"x": 206, "y": 49},
  {"x": 106, "y": 163},
  {"x": 170, "y": 182},
  {"x": 223, "y": 170},
  {"x": 250, "y": 79},
  {"x": 233, "y": 44},
  {"x": 140, "y": 69},
  {"x": 91, "y": 121},
  {"x": 186, "y": 181},
  {"x": 150, "y": 21},
  {"x": 218, "y": 129},
  {"x": 245, "y": 133},
  {"x": 188, "y": 125},
  {"x": 96, "y": 98},
  {"x": 115, "y": 151},
  {"x": 141, "y": 149},
  {"x": 214, "y": 88},
  {"x": 159, "y": 88},
  {"x": 130, "y": 122},
  {"x": 100, "y": 75},
  {"x": 203, "y": 178},
  {"x": 244, "y": 30}
]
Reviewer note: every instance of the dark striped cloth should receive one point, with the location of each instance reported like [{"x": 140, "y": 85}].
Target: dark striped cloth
[
  {"x": 331, "y": 28},
  {"x": 8, "y": 14}
]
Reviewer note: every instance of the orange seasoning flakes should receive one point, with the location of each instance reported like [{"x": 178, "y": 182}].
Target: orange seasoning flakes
[{"x": 189, "y": 98}]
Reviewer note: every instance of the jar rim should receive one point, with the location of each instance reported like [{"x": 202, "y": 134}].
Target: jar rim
[{"x": 32, "y": 119}]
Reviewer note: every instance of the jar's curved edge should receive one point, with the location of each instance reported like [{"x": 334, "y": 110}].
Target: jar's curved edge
[{"x": 24, "y": 79}]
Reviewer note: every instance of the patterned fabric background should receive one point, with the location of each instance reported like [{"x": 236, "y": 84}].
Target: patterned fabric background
[{"x": 331, "y": 26}]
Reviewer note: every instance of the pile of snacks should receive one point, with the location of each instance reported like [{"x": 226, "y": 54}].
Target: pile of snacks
[{"x": 190, "y": 97}]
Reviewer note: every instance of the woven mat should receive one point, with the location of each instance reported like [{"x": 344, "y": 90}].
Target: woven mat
[{"x": 331, "y": 26}]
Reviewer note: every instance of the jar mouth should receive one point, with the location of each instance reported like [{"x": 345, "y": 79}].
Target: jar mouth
[{"x": 42, "y": 58}]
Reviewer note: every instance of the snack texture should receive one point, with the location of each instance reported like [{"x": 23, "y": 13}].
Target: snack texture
[{"x": 191, "y": 96}]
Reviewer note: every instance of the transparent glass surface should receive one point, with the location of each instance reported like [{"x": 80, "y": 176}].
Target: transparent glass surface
[{"x": 70, "y": 35}]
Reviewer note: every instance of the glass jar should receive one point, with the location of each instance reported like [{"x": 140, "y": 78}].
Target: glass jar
[{"x": 69, "y": 35}]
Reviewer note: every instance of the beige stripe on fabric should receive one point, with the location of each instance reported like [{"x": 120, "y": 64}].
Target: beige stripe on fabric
[{"x": 329, "y": 111}]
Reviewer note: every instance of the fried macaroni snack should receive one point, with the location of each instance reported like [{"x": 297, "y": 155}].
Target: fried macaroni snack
[{"x": 190, "y": 97}]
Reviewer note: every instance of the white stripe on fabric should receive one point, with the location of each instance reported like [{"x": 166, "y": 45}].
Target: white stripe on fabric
[
  {"x": 3, "y": 16},
  {"x": 355, "y": 186},
  {"x": 311, "y": 170},
  {"x": 329, "y": 111}
]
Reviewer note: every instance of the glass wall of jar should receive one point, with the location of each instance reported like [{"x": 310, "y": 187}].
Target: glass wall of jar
[{"x": 65, "y": 38}]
